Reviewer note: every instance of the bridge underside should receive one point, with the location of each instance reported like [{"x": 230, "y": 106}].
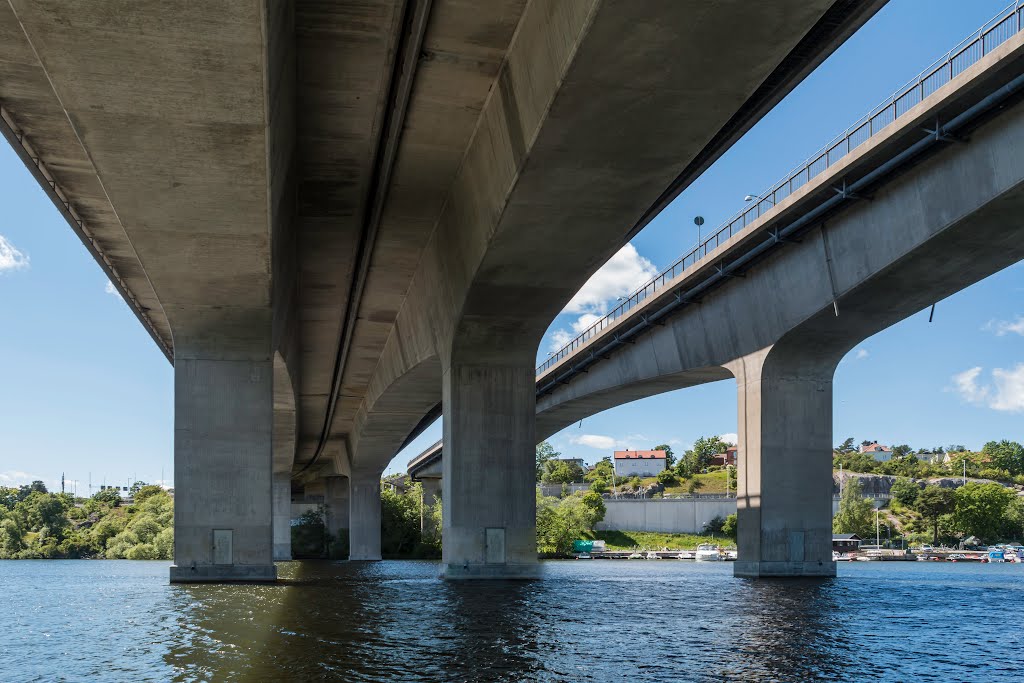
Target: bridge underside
[{"x": 334, "y": 217}]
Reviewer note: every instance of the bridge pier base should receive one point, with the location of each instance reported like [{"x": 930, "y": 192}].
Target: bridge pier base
[
  {"x": 223, "y": 511},
  {"x": 488, "y": 496},
  {"x": 784, "y": 502},
  {"x": 336, "y": 498},
  {"x": 282, "y": 504},
  {"x": 364, "y": 516}
]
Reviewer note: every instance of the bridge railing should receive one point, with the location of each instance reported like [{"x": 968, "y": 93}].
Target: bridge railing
[{"x": 993, "y": 33}]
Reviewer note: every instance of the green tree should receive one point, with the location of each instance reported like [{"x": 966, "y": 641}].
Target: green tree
[
  {"x": 856, "y": 513},
  {"x": 694, "y": 485},
  {"x": 901, "y": 451},
  {"x": 980, "y": 509},
  {"x": 846, "y": 447},
  {"x": 699, "y": 457},
  {"x": 135, "y": 487},
  {"x": 595, "y": 502},
  {"x": 932, "y": 503},
  {"x": 545, "y": 452},
  {"x": 667, "y": 478},
  {"x": 905, "y": 491},
  {"x": 1006, "y": 455},
  {"x": 670, "y": 456},
  {"x": 561, "y": 472},
  {"x": 8, "y": 497},
  {"x": 110, "y": 496},
  {"x": 729, "y": 527}
]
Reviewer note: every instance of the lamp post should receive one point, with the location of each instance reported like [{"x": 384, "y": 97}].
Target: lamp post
[{"x": 877, "y": 535}]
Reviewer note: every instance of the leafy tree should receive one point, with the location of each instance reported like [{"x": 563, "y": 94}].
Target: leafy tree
[
  {"x": 135, "y": 487},
  {"x": 905, "y": 491},
  {"x": 110, "y": 496},
  {"x": 595, "y": 502},
  {"x": 309, "y": 535},
  {"x": 694, "y": 486},
  {"x": 956, "y": 448},
  {"x": 559, "y": 523},
  {"x": 561, "y": 472},
  {"x": 1013, "y": 520},
  {"x": 667, "y": 478},
  {"x": 716, "y": 525},
  {"x": 856, "y": 513},
  {"x": 699, "y": 457},
  {"x": 400, "y": 521},
  {"x": 670, "y": 457},
  {"x": 8, "y": 497},
  {"x": 729, "y": 527},
  {"x": 901, "y": 451},
  {"x": 980, "y": 509},
  {"x": 142, "y": 493},
  {"x": 846, "y": 447},
  {"x": 1006, "y": 455},
  {"x": 35, "y": 487},
  {"x": 545, "y": 452},
  {"x": 932, "y": 503}
]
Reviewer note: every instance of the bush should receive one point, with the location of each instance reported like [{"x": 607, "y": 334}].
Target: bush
[
  {"x": 667, "y": 478},
  {"x": 905, "y": 491},
  {"x": 715, "y": 526},
  {"x": 729, "y": 527}
]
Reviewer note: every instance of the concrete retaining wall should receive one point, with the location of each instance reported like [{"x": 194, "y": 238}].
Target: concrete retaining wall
[
  {"x": 669, "y": 516},
  {"x": 685, "y": 516}
]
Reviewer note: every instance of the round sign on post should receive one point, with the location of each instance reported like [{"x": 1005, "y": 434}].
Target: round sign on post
[{"x": 698, "y": 221}]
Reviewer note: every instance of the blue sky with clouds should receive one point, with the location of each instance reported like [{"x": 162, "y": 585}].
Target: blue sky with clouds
[{"x": 84, "y": 390}]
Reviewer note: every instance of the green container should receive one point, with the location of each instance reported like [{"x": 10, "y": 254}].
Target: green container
[{"x": 582, "y": 546}]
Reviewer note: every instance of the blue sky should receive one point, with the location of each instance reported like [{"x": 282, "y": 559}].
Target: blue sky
[{"x": 84, "y": 390}]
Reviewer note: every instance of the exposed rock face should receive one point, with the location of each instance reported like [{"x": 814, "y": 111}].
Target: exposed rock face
[{"x": 875, "y": 485}]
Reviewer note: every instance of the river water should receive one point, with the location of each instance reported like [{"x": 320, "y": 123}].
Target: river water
[{"x": 661, "y": 621}]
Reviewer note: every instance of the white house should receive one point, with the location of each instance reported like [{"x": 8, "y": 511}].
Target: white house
[
  {"x": 638, "y": 463},
  {"x": 878, "y": 451}
]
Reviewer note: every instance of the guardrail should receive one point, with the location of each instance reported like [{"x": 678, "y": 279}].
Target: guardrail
[{"x": 993, "y": 33}]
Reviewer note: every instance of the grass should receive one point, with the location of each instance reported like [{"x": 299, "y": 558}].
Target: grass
[
  {"x": 650, "y": 540},
  {"x": 712, "y": 482}
]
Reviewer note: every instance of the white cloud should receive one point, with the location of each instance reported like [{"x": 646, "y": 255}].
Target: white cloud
[
  {"x": 1005, "y": 392},
  {"x": 862, "y": 354},
  {"x": 730, "y": 438},
  {"x": 17, "y": 478},
  {"x": 621, "y": 275},
  {"x": 1009, "y": 389},
  {"x": 109, "y": 289},
  {"x": 966, "y": 384},
  {"x": 1005, "y": 327},
  {"x": 10, "y": 257},
  {"x": 594, "y": 441},
  {"x": 624, "y": 273}
]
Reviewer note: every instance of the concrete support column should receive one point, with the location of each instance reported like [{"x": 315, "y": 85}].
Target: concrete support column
[
  {"x": 282, "y": 504},
  {"x": 488, "y": 485},
  {"x": 336, "y": 500},
  {"x": 223, "y": 514},
  {"x": 364, "y": 516},
  {"x": 784, "y": 501},
  {"x": 431, "y": 494}
]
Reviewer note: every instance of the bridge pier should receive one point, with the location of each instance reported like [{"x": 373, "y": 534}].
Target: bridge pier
[
  {"x": 223, "y": 511},
  {"x": 336, "y": 500},
  {"x": 282, "y": 506},
  {"x": 431, "y": 494},
  {"x": 784, "y": 501},
  {"x": 488, "y": 496},
  {"x": 364, "y": 515}
]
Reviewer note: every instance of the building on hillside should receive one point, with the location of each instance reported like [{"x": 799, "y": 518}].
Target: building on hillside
[
  {"x": 845, "y": 543},
  {"x": 877, "y": 451},
  {"x": 638, "y": 463},
  {"x": 727, "y": 458}
]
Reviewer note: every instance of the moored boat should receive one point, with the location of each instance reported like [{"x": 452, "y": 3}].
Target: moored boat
[{"x": 708, "y": 553}]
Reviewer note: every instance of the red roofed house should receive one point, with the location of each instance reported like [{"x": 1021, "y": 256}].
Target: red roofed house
[
  {"x": 727, "y": 458},
  {"x": 877, "y": 451},
  {"x": 639, "y": 463}
]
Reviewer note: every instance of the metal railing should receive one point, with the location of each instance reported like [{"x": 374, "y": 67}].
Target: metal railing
[{"x": 993, "y": 33}]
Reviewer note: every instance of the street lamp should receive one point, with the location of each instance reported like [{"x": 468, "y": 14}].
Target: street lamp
[{"x": 759, "y": 198}]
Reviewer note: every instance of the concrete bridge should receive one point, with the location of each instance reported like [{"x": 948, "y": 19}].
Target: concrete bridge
[
  {"x": 333, "y": 217},
  {"x": 915, "y": 202}
]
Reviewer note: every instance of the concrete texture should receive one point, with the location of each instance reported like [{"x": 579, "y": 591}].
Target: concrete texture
[
  {"x": 282, "y": 514},
  {"x": 364, "y": 516},
  {"x": 336, "y": 501},
  {"x": 671, "y": 515},
  {"x": 222, "y": 469},
  {"x": 365, "y": 197}
]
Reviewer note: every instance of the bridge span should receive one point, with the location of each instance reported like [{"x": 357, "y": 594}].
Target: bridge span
[{"x": 913, "y": 203}]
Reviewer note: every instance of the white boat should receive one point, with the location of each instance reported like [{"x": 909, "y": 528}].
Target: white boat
[
  {"x": 708, "y": 553},
  {"x": 651, "y": 555},
  {"x": 584, "y": 556},
  {"x": 684, "y": 556},
  {"x": 635, "y": 556}
]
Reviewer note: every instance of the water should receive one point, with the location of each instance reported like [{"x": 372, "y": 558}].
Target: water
[{"x": 585, "y": 621}]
